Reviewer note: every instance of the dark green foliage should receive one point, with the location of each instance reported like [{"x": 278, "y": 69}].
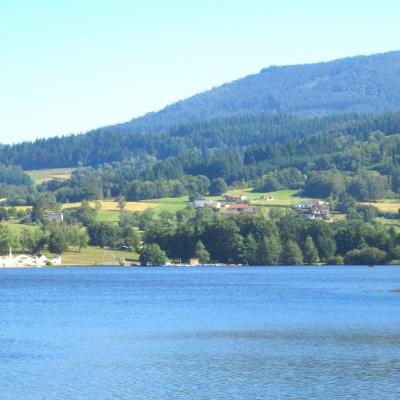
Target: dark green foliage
[
  {"x": 57, "y": 241},
  {"x": 369, "y": 84},
  {"x": 256, "y": 240},
  {"x": 365, "y": 256},
  {"x": 368, "y": 186},
  {"x": 269, "y": 251},
  {"x": 292, "y": 254},
  {"x": 310, "y": 251},
  {"x": 104, "y": 234},
  {"x": 151, "y": 254},
  {"x": 335, "y": 260},
  {"x": 367, "y": 213},
  {"x": 286, "y": 178},
  {"x": 130, "y": 239},
  {"x": 218, "y": 187},
  {"x": 7, "y": 240},
  {"x": 256, "y": 135},
  {"x": 85, "y": 213},
  {"x": 4, "y": 215},
  {"x": 201, "y": 252},
  {"x": 33, "y": 242},
  {"x": 325, "y": 184},
  {"x": 13, "y": 175},
  {"x": 186, "y": 185}
]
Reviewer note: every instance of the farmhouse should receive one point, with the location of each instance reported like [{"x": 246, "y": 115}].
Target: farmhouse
[
  {"x": 235, "y": 208},
  {"x": 55, "y": 217},
  {"x": 235, "y": 197},
  {"x": 317, "y": 209},
  {"x": 206, "y": 203}
]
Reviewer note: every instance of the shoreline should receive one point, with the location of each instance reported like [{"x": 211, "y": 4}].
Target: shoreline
[{"x": 191, "y": 266}]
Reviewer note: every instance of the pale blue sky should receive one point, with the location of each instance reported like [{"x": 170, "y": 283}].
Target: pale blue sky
[{"x": 69, "y": 66}]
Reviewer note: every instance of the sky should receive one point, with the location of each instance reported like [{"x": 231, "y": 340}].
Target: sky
[{"x": 70, "y": 66}]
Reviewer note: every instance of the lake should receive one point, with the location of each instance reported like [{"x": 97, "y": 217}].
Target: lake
[{"x": 200, "y": 333}]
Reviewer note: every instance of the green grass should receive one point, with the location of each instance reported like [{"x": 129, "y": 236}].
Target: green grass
[
  {"x": 108, "y": 216},
  {"x": 96, "y": 256},
  {"x": 16, "y": 228},
  {"x": 44, "y": 175},
  {"x": 281, "y": 198},
  {"x": 170, "y": 204},
  {"x": 395, "y": 223}
]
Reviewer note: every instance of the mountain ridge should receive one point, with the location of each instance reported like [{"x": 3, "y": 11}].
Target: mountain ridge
[{"x": 364, "y": 83}]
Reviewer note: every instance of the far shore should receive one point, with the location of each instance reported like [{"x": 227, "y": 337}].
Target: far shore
[{"x": 191, "y": 266}]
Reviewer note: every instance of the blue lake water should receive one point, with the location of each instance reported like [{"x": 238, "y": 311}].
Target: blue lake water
[{"x": 198, "y": 333}]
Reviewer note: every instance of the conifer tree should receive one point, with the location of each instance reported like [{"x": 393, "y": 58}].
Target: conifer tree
[
  {"x": 310, "y": 251},
  {"x": 269, "y": 251},
  {"x": 292, "y": 254},
  {"x": 201, "y": 252}
]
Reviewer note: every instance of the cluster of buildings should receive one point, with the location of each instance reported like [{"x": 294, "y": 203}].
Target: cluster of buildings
[
  {"x": 239, "y": 203},
  {"x": 313, "y": 209},
  {"x": 232, "y": 204}
]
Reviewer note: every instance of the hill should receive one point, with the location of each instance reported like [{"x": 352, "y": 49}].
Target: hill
[
  {"x": 356, "y": 84},
  {"x": 110, "y": 144},
  {"x": 256, "y": 109}
]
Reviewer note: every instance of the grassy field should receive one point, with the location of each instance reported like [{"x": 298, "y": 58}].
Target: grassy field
[
  {"x": 169, "y": 204},
  {"x": 44, "y": 175},
  {"x": 108, "y": 216},
  {"x": 395, "y": 223},
  {"x": 280, "y": 198},
  {"x": 16, "y": 228},
  {"x": 391, "y": 206},
  {"x": 96, "y": 256}
]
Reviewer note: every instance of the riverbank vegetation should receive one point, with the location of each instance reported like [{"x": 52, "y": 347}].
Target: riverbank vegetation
[{"x": 275, "y": 238}]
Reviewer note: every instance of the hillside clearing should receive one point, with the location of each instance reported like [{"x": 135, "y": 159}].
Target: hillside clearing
[
  {"x": 45, "y": 175},
  {"x": 390, "y": 206},
  {"x": 110, "y": 205}
]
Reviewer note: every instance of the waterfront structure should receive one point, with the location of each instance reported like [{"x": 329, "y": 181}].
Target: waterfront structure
[{"x": 23, "y": 260}]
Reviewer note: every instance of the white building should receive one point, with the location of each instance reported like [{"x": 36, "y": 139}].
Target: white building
[
  {"x": 55, "y": 217},
  {"x": 23, "y": 260},
  {"x": 206, "y": 203}
]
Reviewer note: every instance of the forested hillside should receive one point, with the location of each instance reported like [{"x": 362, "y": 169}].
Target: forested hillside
[
  {"x": 364, "y": 84},
  {"x": 357, "y": 84},
  {"x": 323, "y": 157},
  {"x": 235, "y": 133}
]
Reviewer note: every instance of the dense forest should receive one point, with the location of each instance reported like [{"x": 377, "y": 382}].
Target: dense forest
[
  {"x": 357, "y": 84},
  {"x": 358, "y": 156},
  {"x": 322, "y": 157},
  {"x": 114, "y": 144}
]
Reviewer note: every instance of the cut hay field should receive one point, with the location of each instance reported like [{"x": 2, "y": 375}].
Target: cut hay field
[
  {"x": 44, "y": 175},
  {"x": 110, "y": 205}
]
